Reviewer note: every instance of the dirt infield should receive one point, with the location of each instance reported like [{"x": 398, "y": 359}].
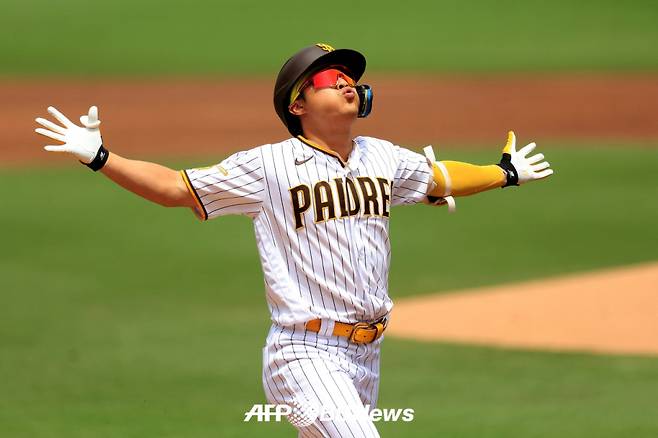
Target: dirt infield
[
  {"x": 613, "y": 311},
  {"x": 183, "y": 117}
]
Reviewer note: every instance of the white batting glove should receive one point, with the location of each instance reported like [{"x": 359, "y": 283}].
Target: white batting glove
[
  {"x": 83, "y": 142},
  {"x": 520, "y": 169}
]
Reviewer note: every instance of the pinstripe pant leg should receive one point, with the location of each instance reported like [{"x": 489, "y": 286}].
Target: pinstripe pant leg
[
  {"x": 367, "y": 381},
  {"x": 330, "y": 388},
  {"x": 302, "y": 373}
]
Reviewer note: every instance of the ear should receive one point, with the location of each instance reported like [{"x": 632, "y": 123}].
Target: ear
[{"x": 297, "y": 107}]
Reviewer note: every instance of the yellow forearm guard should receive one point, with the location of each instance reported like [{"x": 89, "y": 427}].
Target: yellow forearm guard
[{"x": 462, "y": 179}]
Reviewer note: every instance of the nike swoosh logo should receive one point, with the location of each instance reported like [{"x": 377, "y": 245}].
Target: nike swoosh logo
[{"x": 298, "y": 161}]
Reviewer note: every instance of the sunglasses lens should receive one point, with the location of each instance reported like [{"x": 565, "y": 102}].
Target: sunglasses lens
[{"x": 329, "y": 79}]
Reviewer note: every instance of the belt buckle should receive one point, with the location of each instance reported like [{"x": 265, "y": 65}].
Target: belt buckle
[{"x": 355, "y": 327}]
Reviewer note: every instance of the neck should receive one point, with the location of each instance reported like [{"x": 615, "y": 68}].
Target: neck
[{"x": 339, "y": 141}]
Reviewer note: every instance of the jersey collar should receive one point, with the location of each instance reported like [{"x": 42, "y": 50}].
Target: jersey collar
[{"x": 326, "y": 150}]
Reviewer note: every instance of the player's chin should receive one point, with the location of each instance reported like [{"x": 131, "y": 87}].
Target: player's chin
[
  {"x": 342, "y": 110},
  {"x": 348, "y": 114},
  {"x": 351, "y": 107}
]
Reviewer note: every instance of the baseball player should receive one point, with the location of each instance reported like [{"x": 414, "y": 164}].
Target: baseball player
[{"x": 320, "y": 203}]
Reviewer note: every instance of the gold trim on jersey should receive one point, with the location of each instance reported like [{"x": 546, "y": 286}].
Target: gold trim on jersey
[
  {"x": 322, "y": 149},
  {"x": 200, "y": 211}
]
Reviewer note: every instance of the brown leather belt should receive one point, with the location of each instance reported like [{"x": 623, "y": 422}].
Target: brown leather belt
[{"x": 359, "y": 333}]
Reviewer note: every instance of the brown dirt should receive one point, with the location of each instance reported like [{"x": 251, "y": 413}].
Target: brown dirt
[
  {"x": 614, "y": 311},
  {"x": 184, "y": 117}
]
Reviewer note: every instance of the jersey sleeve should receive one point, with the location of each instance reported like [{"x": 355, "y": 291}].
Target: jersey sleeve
[
  {"x": 413, "y": 178},
  {"x": 234, "y": 186}
]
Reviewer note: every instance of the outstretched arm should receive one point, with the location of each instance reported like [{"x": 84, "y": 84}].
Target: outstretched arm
[
  {"x": 151, "y": 181},
  {"x": 454, "y": 178}
]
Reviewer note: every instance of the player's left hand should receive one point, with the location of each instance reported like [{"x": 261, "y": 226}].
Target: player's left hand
[{"x": 519, "y": 168}]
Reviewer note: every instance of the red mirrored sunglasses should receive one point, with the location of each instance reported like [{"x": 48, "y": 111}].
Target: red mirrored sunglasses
[{"x": 327, "y": 79}]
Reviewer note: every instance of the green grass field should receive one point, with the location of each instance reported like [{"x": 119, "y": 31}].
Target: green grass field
[
  {"x": 39, "y": 37},
  {"x": 122, "y": 318}
]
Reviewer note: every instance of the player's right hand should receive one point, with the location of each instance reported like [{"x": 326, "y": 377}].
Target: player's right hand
[{"x": 83, "y": 142}]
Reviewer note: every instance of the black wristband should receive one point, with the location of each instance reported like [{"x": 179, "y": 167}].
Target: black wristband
[
  {"x": 510, "y": 171},
  {"x": 99, "y": 160}
]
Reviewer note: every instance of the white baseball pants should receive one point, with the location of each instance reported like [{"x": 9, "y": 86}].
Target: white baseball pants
[{"x": 326, "y": 379}]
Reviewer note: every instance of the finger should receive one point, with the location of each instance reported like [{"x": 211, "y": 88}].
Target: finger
[
  {"x": 525, "y": 150},
  {"x": 61, "y": 117},
  {"x": 510, "y": 146},
  {"x": 53, "y": 148},
  {"x": 535, "y": 158},
  {"x": 544, "y": 174},
  {"x": 50, "y": 125},
  {"x": 540, "y": 166},
  {"x": 91, "y": 120},
  {"x": 51, "y": 134}
]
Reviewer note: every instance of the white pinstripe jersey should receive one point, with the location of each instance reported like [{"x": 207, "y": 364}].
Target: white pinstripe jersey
[{"x": 321, "y": 223}]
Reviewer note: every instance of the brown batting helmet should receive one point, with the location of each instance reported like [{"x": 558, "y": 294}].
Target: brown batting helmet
[{"x": 310, "y": 59}]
